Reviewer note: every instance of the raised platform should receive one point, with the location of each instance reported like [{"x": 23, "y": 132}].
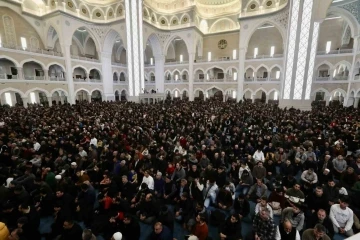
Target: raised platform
[{"x": 304, "y": 105}]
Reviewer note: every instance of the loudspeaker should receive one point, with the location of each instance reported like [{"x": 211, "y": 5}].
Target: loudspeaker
[{"x": 14, "y": 71}]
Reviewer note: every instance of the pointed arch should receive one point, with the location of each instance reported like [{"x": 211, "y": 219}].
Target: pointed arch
[
  {"x": 249, "y": 67},
  {"x": 348, "y": 17},
  {"x": 163, "y": 18},
  {"x": 16, "y": 63},
  {"x": 343, "y": 92},
  {"x": 59, "y": 89},
  {"x": 273, "y": 90},
  {"x": 107, "y": 12},
  {"x": 10, "y": 89},
  {"x": 82, "y": 89},
  {"x": 234, "y": 24},
  {"x": 97, "y": 9},
  {"x": 174, "y": 18},
  {"x": 85, "y": 6},
  {"x": 320, "y": 90},
  {"x": 346, "y": 63},
  {"x": 182, "y": 18},
  {"x": 97, "y": 89},
  {"x": 331, "y": 66},
  {"x": 260, "y": 89},
  {"x": 154, "y": 44},
  {"x": 216, "y": 87},
  {"x": 257, "y": 2},
  {"x": 175, "y": 89},
  {"x": 110, "y": 40},
  {"x": 260, "y": 66},
  {"x": 274, "y": 66},
  {"x": 81, "y": 66},
  {"x": 254, "y": 27},
  {"x": 147, "y": 12},
  {"x": 215, "y": 66},
  {"x": 92, "y": 34},
  {"x": 55, "y": 63},
  {"x": 231, "y": 67},
  {"x": 38, "y": 89},
  {"x": 184, "y": 90},
  {"x": 33, "y": 60},
  {"x": 169, "y": 41}
]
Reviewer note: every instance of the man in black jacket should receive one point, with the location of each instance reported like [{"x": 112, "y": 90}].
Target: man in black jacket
[
  {"x": 232, "y": 228},
  {"x": 241, "y": 206},
  {"x": 72, "y": 231},
  {"x": 321, "y": 217},
  {"x": 129, "y": 228}
]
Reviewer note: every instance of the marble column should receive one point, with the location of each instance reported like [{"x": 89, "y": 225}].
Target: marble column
[
  {"x": 241, "y": 74},
  {"x": 191, "y": 76},
  {"x": 107, "y": 77},
  {"x": 49, "y": 101},
  {"x": 68, "y": 73},
  {"x": 25, "y": 101},
  {"x": 159, "y": 73}
]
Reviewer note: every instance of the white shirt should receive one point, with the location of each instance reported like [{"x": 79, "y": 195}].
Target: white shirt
[
  {"x": 342, "y": 218},
  {"x": 93, "y": 141},
  {"x": 149, "y": 182},
  {"x": 211, "y": 190},
  {"x": 257, "y": 209},
  {"x": 259, "y": 156},
  {"x": 83, "y": 153},
  {"x": 278, "y": 236},
  {"x": 37, "y": 146}
]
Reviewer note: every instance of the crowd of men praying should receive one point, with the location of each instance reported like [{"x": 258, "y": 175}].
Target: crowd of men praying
[{"x": 109, "y": 168}]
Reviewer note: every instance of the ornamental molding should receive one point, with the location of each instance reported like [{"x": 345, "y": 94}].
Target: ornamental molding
[{"x": 353, "y": 8}]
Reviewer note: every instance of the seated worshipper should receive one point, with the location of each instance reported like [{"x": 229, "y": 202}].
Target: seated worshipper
[
  {"x": 224, "y": 199},
  {"x": 294, "y": 195},
  {"x": 320, "y": 217},
  {"x": 129, "y": 228},
  {"x": 246, "y": 181},
  {"x": 85, "y": 203},
  {"x": 316, "y": 200},
  {"x": 88, "y": 235},
  {"x": 231, "y": 229},
  {"x": 349, "y": 178},
  {"x": 288, "y": 182},
  {"x": 263, "y": 227},
  {"x": 259, "y": 156},
  {"x": 201, "y": 229},
  {"x": 287, "y": 232},
  {"x": 196, "y": 189},
  {"x": 166, "y": 217},
  {"x": 127, "y": 188},
  {"x": 71, "y": 230},
  {"x": 342, "y": 217},
  {"x": 46, "y": 203},
  {"x": 241, "y": 206},
  {"x": 184, "y": 208},
  {"x": 257, "y": 191},
  {"x": 179, "y": 173},
  {"x": 159, "y": 184},
  {"x": 193, "y": 173},
  {"x": 295, "y": 215},
  {"x": 33, "y": 219},
  {"x": 324, "y": 176},
  {"x": 264, "y": 204},
  {"x": 259, "y": 171},
  {"x": 147, "y": 209},
  {"x": 169, "y": 190},
  {"x": 220, "y": 176},
  {"x": 210, "y": 193},
  {"x": 309, "y": 178},
  {"x": 331, "y": 191},
  {"x": 316, "y": 233},
  {"x": 140, "y": 195},
  {"x": 199, "y": 209},
  {"x": 277, "y": 201},
  {"x": 148, "y": 180},
  {"x": 340, "y": 166},
  {"x": 181, "y": 188}
]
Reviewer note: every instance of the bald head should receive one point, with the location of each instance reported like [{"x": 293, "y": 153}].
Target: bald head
[{"x": 287, "y": 226}]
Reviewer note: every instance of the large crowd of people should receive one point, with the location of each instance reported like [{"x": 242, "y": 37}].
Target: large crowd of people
[{"x": 115, "y": 166}]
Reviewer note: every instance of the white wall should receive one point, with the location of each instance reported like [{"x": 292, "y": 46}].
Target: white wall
[{"x": 263, "y": 39}]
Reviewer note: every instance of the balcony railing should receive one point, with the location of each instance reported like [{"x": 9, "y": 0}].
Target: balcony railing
[
  {"x": 149, "y": 82},
  {"x": 211, "y": 80},
  {"x": 176, "y": 81},
  {"x": 261, "y": 79},
  {"x": 119, "y": 64},
  {"x": 8, "y": 76},
  {"x": 85, "y": 58},
  {"x": 322, "y": 78},
  {"x": 34, "y": 77},
  {"x": 121, "y": 82},
  {"x": 265, "y": 56},
  {"x": 357, "y": 77},
  {"x": 220, "y": 59},
  {"x": 56, "y": 79},
  {"x": 175, "y": 62},
  {"x": 40, "y": 51},
  {"x": 340, "y": 51},
  {"x": 336, "y": 78}
]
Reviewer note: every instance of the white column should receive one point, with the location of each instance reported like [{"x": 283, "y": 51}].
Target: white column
[
  {"x": 191, "y": 76},
  {"x": 135, "y": 53},
  {"x": 107, "y": 77},
  {"x": 241, "y": 74},
  {"x": 49, "y": 101},
  {"x": 327, "y": 100},
  {"x": 356, "y": 102},
  {"x": 62, "y": 100},
  {"x": 89, "y": 98},
  {"x": 20, "y": 73},
  {"x": 68, "y": 73},
  {"x": 352, "y": 71},
  {"x": 159, "y": 73},
  {"x": 46, "y": 73},
  {"x": 25, "y": 101}
]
